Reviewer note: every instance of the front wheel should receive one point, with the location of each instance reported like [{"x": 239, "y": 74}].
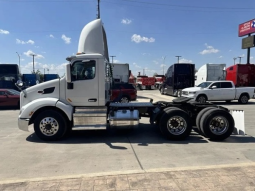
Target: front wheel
[
  {"x": 175, "y": 124},
  {"x": 50, "y": 125},
  {"x": 201, "y": 99}
]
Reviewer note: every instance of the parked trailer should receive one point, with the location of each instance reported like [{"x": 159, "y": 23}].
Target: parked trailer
[
  {"x": 179, "y": 76},
  {"x": 159, "y": 79},
  {"x": 30, "y": 80},
  {"x": 58, "y": 106},
  {"x": 210, "y": 72},
  {"x": 145, "y": 83},
  {"x": 242, "y": 75}
]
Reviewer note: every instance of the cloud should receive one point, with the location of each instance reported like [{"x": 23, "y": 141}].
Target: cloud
[
  {"x": 242, "y": 55},
  {"x": 18, "y": 41},
  {"x": 220, "y": 56},
  {"x": 155, "y": 62},
  {"x": 230, "y": 50},
  {"x": 22, "y": 59},
  {"x": 66, "y": 39},
  {"x": 51, "y": 36},
  {"x": 4, "y": 31},
  {"x": 137, "y": 66},
  {"x": 29, "y": 52},
  {"x": 137, "y": 39},
  {"x": 183, "y": 60},
  {"x": 116, "y": 61},
  {"x": 251, "y": 58},
  {"x": 53, "y": 68},
  {"x": 126, "y": 21},
  {"x": 209, "y": 49},
  {"x": 146, "y": 54},
  {"x": 162, "y": 65}
]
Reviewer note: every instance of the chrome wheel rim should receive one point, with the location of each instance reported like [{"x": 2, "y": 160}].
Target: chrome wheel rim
[
  {"x": 244, "y": 99},
  {"x": 201, "y": 99},
  {"x": 49, "y": 126},
  {"x": 124, "y": 100},
  {"x": 219, "y": 125},
  {"x": 176, "y": 125}
]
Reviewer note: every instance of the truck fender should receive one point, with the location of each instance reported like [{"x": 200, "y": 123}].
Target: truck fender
[
  {"x": 29, "y": 109},
  {"x": 68, "y": 109}
]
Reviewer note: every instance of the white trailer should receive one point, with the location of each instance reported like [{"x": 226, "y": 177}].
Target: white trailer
[
  {"x": 120, "y": 72},
  {"x": 210, "y": 72},
  {"x": 81, "y": 99}
]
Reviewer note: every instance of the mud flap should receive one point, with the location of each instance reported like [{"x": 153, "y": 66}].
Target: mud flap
[{"x": 238, "y": 116}]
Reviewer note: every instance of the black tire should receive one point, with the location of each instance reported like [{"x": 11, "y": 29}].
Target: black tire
[
  {"x": 206, "y": 124},
  {"x": 201, "y": 99},
  {"x": 243, "y": 99},
  {"x": 52, "y": 116},
  {"x": 199, "y": 117},
  {"x": 124, "y": 99},
  {"x": 162, "y": 91},
  {"x": 171, "y": 114}
]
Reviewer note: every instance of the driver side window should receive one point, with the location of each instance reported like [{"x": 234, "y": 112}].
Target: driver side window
[
  {"x": 217, "y": 84},
  {"x": 83, "y": 70}
]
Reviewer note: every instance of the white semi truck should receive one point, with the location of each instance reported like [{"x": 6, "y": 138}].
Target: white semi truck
[
  {"x": 80, "y": 99},
  {"x": 120, "y": 72},
  {"x": 210, "y": 72}
]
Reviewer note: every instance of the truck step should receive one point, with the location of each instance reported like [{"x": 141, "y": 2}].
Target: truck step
[
  {"x": 89, "y": 127},
  {"x": 90, "y": 116}
]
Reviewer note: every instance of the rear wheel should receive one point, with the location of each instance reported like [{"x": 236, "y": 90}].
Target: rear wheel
[
  {"x": 162, "y": 90},
  {"x": 200, "y": 115},
  {"x": 50, "y": 125},
  {"x": 243, "y": 99},
  {"x": 175, "y": 124},
  {"x": 217, "y": 124}
]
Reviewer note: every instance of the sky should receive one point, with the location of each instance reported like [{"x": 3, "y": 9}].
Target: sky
[{"x": 147, "y": 34}]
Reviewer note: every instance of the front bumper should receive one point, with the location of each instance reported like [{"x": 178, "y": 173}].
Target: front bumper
[{"x": 23, "y": 124}]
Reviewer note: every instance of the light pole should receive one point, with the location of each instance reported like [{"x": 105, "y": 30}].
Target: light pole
[
  {"x": 19, "y": 59},
  {"x": 164, "y": 57},
  {"x": 33, "y": 62},
  {"x": 46, "y": 69},
  {"x": 178, "y": 58},
  {"x": 240, "y": 59},
  {"x": 234, "y": 61},
  {"x": 112, "y": 58}
]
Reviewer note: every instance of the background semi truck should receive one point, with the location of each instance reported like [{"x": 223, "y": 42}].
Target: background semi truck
[
  {"x": 210, "y": 72},
  {"x": 178, "y": 77},
  {"x": 242, "y": 75},
  {"x": 81, "y": 100},
  {"x": 9, "y": 75},
  {"x": 120, "y": 72}
]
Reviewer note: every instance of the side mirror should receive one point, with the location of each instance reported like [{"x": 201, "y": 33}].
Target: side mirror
[
  {"x": 68, "y": 73},
  {"x": 19, "y": 83},
  {"x": 213, "y": 87}
]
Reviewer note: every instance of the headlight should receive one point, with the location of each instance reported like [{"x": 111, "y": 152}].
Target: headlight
[{"x": 192, "y": 92}]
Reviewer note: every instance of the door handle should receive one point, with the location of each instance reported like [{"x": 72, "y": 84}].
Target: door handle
[{"x": 92, "y": 100}]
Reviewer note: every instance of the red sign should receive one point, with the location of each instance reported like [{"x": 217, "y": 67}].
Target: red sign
[{"x": 247, "y": 28}]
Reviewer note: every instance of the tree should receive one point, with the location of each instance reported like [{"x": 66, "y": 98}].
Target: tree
[
  {"x": 40, "y": 74},
  {"x": 155, "y": 74}
]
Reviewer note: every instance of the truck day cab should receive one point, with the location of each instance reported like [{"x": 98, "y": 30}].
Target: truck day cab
[
  {"x": 81, "y": 99},
  {"x": 219, "y": 91}
]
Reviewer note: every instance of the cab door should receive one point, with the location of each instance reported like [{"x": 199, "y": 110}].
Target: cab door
[{"x": 85, "y": 80}]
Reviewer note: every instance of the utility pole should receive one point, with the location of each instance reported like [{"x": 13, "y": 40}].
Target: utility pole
[
  {"x": 33, "y": 62},
  {"x": 112, "y": 58},
  {"x": 143, "y": 72},
  {"x": 240, "y": 59},
  {"x": 164, "y": 57},
  {"x": 19, "y": 59},
  {"x": 98, "y": 9},
  {"x": 178, "y": 58},
  {"x": 234, "y": 61}
]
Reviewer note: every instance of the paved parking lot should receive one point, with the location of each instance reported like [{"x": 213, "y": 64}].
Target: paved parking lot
[{"x": 24, "y": 157}]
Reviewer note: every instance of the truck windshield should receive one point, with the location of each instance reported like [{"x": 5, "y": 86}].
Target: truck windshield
[{"x": 204, "y": 84}]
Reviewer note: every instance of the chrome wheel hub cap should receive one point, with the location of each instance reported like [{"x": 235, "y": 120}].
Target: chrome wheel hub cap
[
  {"x": 176, "y": 125},
  {"x": 124, "y": 100},
  {"x": 219, "y": 125},
  {"x": 49, "y": 126},
  {"x": 244, "y": 99}
]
